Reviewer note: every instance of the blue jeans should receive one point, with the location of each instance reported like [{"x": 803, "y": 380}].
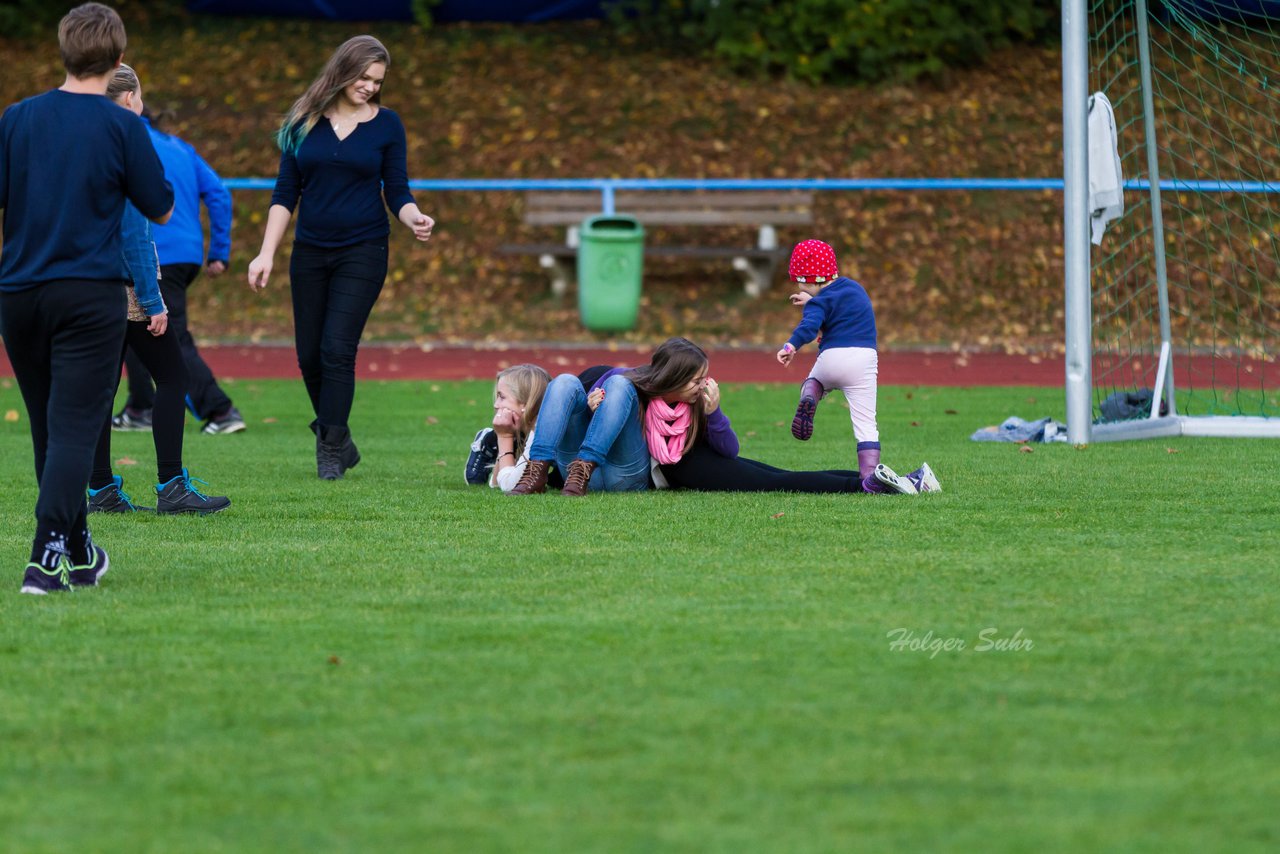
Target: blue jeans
[{"x": 611, "y": 437}]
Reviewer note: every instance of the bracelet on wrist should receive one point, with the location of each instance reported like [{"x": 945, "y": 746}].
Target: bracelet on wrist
[{"x": 511, "y": 454}]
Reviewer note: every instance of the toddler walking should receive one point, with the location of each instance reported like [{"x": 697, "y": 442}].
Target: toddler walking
[{"x": 838, "y": 309}]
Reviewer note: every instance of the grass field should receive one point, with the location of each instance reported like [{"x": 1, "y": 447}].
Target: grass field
[{"x": 400, "y": 662}]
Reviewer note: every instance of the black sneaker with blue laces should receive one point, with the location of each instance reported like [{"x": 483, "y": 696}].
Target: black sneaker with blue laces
[
  {"x": 88, "y": 574},
  {"x": 179, "y": 495},
  {"x": 483, "y": 457},
  {"x": 40, "y": 580},
  {"x": 113, "y": 499}
]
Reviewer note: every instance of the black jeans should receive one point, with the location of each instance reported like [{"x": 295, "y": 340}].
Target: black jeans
[
  {"x": 64, "y": 341},
  {"x": 334, "y": 290},
  {"x": 164, "y": 359},
  {"x": 705, "y": 470},
  {"x": 205, "y": 397}
]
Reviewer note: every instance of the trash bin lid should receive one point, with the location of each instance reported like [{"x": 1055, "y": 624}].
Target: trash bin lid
[{"x": 612, "y": 226}]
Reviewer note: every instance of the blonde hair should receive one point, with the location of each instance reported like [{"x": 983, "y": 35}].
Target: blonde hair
[
  {"x": 348, "y": 62},
  {"x": 528, "y": 383},
  {"x": 125, "y": 80}
]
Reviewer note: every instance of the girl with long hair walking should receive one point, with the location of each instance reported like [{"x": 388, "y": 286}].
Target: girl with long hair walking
[{"x": 342, "y": 158}]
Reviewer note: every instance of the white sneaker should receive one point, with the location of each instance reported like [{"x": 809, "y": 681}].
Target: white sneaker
[
  {"x": 928, "y": 480},
  {"x": 890, "y": 480}
]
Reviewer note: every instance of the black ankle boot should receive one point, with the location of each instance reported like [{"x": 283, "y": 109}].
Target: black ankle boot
[{"x": 329, "y": 440}]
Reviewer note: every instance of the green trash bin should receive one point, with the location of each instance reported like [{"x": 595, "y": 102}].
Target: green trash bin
[{"x": 610, "y": 269}]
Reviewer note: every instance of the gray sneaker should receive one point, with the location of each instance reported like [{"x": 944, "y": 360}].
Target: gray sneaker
[
  {"x": 128, "y": 420},
  {"x": 228, "y": 422}
]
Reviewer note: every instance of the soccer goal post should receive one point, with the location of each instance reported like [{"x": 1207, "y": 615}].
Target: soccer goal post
[{"x": 1172, "y": 305}]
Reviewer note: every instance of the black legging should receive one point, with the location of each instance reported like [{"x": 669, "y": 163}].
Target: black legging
[
  {"x": 705, "y": 470},
  {"x": 333, "y": 291},
  {"x": 207, "y": 399},
  {"x": 163, "y": 358}
]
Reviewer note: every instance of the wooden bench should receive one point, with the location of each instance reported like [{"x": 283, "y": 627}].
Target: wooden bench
[{"x": 762, "y": 209}]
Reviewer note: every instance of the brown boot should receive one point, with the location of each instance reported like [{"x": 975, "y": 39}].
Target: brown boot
[
  {"x": 534, "y": 478},
  {"x": 575, "y": 482}
]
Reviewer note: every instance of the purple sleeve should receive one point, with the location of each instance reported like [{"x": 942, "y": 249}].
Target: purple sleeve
[
  {"x": 611, "y": 372},
  {"x": 395, "y": 170},
  {"x": 720, "y": 435},
  {"x": 810, "y": 325},
  {"x": 288, "y": 182}
]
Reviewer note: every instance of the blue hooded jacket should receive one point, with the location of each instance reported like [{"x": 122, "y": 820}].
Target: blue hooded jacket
[{"x": 181, "y": 239}]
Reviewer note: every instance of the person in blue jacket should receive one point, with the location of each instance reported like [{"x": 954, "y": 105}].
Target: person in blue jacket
[
  {"x": 180, "y": 246},
  {"x": 148, "y": 334},
  {"x": 62, "y": 277},
  {"x": 343, "y": 164}
]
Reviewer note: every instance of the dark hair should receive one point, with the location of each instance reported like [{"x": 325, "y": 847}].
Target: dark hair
[
  {"x": 91, "y": 39},
  {"x": 672, "y": 366},
  {"x": 348, "y": 62}
]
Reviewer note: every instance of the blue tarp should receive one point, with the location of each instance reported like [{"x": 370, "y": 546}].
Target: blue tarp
[{"x": 400, "y": 10}]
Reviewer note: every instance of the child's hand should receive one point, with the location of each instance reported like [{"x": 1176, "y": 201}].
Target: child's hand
[
  {"x": 158, "y": 323},
  {"x": 786, "y": 354},
  {"x": 710, "y": 396},
  {"x": 595, "y": 399},
  {"x": 800, "y": 298},
  {"x": 505, "y": 422}
]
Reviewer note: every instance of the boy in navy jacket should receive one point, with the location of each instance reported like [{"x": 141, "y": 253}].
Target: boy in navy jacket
[{"x": 69, "y": 159}]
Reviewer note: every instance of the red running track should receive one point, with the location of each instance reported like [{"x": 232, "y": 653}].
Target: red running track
[
  {"x": 728, "y": 365},
  {"x": 897, "y": 367}
]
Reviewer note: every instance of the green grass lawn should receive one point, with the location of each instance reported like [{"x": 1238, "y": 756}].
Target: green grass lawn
[{"x": 398, "y": 661}]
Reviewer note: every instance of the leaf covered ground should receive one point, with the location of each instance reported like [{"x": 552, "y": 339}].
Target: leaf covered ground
[{"x": 572, "y": 101}]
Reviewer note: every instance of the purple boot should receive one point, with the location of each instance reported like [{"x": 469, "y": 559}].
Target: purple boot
[{"x": 810, "y": 393}]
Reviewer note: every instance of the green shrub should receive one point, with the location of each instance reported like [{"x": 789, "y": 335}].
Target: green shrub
[
  {"x": 23, "y": 18},
  {"x": 820, "y": 40}
]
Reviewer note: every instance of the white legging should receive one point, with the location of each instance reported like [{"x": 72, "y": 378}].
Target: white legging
[{"x": 853, "y": 370}]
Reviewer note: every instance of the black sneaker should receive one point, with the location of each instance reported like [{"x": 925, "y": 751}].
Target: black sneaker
[
  {"x": 112, "y": 499},
  {"x": 180, "y": 496},
  {"x": 484, "y": 454},
  {"x": 127, "y": 420},
  {"x": 88, "y": 575},
  {"x": 40, "y": 581},
  {"x": 228, "y": 422}
]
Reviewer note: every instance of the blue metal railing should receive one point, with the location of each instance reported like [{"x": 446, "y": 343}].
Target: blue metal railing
[{"x": 608, "y": 186}]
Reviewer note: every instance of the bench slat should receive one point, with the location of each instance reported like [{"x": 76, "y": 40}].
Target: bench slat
[
  {"x": 731, "y": 199},
  {"x": 672, "y": 217},
  {"x": 561, "y": 251}
]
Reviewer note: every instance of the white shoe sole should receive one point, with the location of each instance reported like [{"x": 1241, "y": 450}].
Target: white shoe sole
[{"x": 888, "y": 477}]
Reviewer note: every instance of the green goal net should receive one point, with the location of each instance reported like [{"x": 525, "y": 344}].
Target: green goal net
[{"x": 1185, "y": 285}]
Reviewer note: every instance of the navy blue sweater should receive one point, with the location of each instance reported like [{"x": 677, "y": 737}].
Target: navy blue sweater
[
  {"x": 842, "y": 313},
  {"x": 67, "y": 163},
  {"x": 341, "y": 183}
]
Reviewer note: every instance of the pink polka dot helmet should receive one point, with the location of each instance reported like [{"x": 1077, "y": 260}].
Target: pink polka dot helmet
[{"x": 813, "y": 262}]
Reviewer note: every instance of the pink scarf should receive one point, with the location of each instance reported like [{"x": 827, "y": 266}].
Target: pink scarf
[{"x": 665, "y": 427}]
